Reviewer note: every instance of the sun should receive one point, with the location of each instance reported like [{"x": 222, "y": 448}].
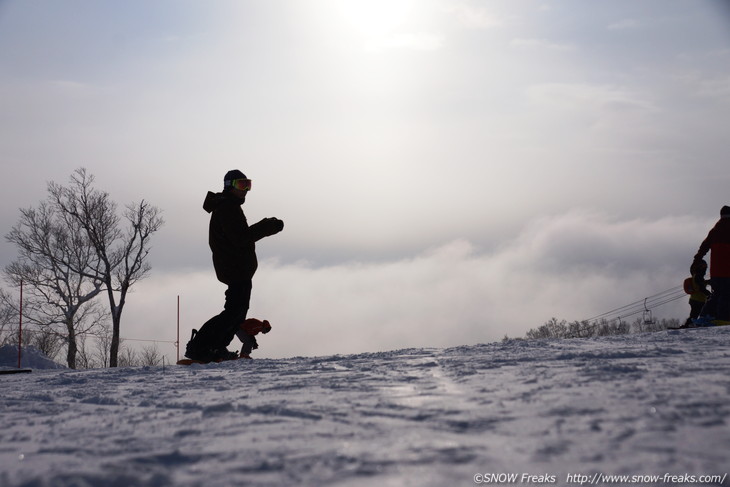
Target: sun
[{"x": 375, "y": 18}]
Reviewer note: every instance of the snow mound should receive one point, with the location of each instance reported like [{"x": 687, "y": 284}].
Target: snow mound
[
  {"x": 633, "y": 410},
  {"x": 31, "y": 358}
]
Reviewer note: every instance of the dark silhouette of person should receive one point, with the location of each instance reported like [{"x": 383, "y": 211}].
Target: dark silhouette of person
[
  {"x": 233, "y": 245},
  {"x": 696, "y": 286},
  {"x": 717, "y": 243}
]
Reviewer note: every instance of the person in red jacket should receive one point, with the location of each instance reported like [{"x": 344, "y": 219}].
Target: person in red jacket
[
  {"x": 717, "y": 243},
  {"x": 233, "y": 245}
]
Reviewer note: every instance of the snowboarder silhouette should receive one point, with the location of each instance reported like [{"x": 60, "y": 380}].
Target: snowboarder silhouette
[
  {"x": 717, "y": 243},
  {"x": 233, "y": 245}
]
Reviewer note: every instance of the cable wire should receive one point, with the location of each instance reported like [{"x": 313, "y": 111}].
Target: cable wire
[{"x": 642, "y": 305}]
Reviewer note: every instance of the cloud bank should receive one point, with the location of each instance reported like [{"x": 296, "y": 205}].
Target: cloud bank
[{"x": 571, "y": 266}]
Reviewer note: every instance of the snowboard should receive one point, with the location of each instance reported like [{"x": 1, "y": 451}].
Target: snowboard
[
  {"x": 251, "y": 326},
  {"x": 188, "y": 361},
  {"x": 700, "y": 323},
  {"x": 15, "y": 371}
]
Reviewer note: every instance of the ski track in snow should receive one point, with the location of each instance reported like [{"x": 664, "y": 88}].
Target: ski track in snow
[{"x": 637, "y": 404}]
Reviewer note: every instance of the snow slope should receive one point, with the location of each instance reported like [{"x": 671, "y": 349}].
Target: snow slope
[
  {"x": 30, "y": 357},
  {"x": 638, "y": 405}
]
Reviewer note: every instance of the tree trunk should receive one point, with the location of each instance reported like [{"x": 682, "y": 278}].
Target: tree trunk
[
  {"x": 72, "y": 347},
  {"x": 114, "y": 348},
  {"x": 116, "y": 312}
]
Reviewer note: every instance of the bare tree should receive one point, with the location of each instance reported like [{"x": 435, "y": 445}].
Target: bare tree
[
  {"x": 122, "y": 255},
  {"x": 150, "y": 355},
  {"x": 55, "y": 262},
  {"x": 603, "y": 327},
  {"x": 8, "y": 319},
  {"x": 127, "y": 357},
  {"x": 47, "y": 342},
  {"x": 84, "y": 359},
  {"x": 103, "y": 341}
]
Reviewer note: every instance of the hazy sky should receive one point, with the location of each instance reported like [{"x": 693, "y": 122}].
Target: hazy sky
[{"x": 448, "y": 171}]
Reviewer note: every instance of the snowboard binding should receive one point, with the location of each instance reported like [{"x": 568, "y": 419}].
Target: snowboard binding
[{"x": 246, "y": 332}]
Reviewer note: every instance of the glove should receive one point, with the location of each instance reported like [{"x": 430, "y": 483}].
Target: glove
[
  {"x": 265, "y": 228},
  {"x": 272, "y": 225}
]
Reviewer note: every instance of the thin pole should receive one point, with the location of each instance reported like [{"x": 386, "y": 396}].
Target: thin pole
[{"x": 20, "y": 325}]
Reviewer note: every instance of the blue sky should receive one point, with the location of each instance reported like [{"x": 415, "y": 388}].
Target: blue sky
[{"x": 486, "y": 164}]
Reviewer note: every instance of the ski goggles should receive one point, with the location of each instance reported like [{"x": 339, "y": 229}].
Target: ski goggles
[{"x": 241, "y": 184}]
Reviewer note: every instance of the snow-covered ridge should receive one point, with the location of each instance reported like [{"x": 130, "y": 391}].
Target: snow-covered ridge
[
  {"x": 30, "y": 357},
  {"x": 650, "y": 404}
]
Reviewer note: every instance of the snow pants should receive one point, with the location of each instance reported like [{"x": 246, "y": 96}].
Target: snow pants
[
  {"x": 695, "y": 309},
  {"x": 718, "y": 305},
  {"x": 217, "y": 332}
]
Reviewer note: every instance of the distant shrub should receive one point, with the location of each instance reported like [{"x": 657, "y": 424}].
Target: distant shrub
[{"x": 584, "y": 329}]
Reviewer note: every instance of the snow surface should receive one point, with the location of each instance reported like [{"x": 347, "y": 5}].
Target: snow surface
[
  {"x": 638, "y": 405},
  {"x": 30, "y": 357}
]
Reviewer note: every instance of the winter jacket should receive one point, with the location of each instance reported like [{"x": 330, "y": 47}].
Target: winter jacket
[
  {"x": 232, "y": 241},
  {"x": 718, "y": 242},
  {"x": 698, "y": 287}
]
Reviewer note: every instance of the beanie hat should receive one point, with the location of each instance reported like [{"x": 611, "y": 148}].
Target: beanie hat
[
  {"x": 725, "y": 212},
  {"x": 230, "y": 176},
  {"x": 698, "y": 265}
]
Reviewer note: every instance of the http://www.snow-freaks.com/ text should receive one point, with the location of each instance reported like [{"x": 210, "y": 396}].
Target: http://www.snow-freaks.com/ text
[{"x": 597, "y": 478}]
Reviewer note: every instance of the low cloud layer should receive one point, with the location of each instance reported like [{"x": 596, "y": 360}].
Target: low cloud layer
[{"x": 571, "y": 266}]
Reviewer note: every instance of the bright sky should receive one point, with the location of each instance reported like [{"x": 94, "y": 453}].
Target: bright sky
[{"x": 448, "y": 171}]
